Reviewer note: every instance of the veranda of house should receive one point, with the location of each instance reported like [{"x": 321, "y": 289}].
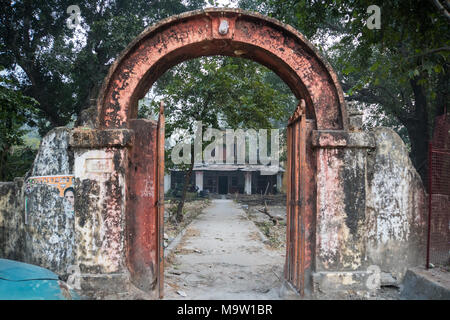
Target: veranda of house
[{"x": 230, "y": 179}]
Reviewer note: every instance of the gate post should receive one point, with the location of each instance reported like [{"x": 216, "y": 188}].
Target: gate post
[
  {"x": 141, "y": 219},
  {"x": 99, "y": 173},
  {"x": 341, "y": 261}
]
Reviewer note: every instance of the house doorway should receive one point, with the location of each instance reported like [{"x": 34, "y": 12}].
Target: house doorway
[{"x": 223, "y": 184}]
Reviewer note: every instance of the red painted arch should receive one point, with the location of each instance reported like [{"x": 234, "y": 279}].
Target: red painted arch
[{"x": 249, "y": 35}]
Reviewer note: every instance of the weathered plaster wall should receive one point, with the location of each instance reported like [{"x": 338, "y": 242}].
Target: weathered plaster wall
[
  {"x": 12, "y": 234},
  {"x": 54, "y": 156},
  {"x": 371, "y": 208},
  {"x": 341, "y": 261},
  {"x": 37, "y": 223},
  {"x": 99, "y": 170},
  {"x": 396, "y": 207},
  {"x": 99, "y": 205},
  {"x": 341, "y": 203},
  {"x": 46, "y": 232},
  {"x": 49, "y": 226},
  {"x": 49, "y": 230}
]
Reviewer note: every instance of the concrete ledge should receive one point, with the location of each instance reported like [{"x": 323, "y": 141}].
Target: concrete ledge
[
  {"x": 421, "y": 284},
  {"x": 95, "y": 139},
  {"x": 116, "y": 286},
  {"x": 341, "y": 281},
  {"x": 104, "y": 284},
  {"x": 342, "y": 139}
]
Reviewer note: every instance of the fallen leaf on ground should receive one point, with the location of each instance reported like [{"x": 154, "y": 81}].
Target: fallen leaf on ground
[
  {"x": 174, "y": 272},
  {"x": 182, "y": 293}
]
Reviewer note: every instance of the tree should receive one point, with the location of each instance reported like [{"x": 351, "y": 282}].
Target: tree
[
  {"x": 63, "y": 68},
  {"x": 16, "y": 110},
  {"x": 221, "y": 92},
  {"x": 31, "y": 35},
  {"x": 403, "y": 68}
]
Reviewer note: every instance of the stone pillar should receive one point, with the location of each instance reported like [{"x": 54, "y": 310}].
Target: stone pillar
[
  {"x": 248, "y": 182},
  {"x": 355, "y": 117},
  {"x": 48, "y": 217},
  {"x": 341, "y": 261},
  {"x": 167, "y": 182},
  {"x": 396, "y": 207},
  {"x": 100, "y": 176},
  {"x": 199, "y": 180}
]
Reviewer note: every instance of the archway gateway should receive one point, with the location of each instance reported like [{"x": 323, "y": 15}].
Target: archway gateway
[
  {"x": 229, "y": 32},
  {"x": 132, "y": 190}
]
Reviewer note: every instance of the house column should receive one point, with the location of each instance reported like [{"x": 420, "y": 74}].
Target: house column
[
  {"x": 248, "y": 182},
  {"x": 100, "y": 184},
  {"x": 279, "y": 181},
  {"x": 199, "y": 180},
  {"x": 342, "y": 161},
  {"x": 167, "y": 181}
]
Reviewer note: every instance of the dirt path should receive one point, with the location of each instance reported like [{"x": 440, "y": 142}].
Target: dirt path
[{"x": 221, "y": 256}]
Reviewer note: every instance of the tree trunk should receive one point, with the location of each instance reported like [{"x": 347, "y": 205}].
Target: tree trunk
[
  {"x": 418, "y": 131},
  {"x": 187, "y": 179},
  {"x": 418, "y": 136},
  {"x": 442, "y": 92},
  {"x": 3, "y": 161}
]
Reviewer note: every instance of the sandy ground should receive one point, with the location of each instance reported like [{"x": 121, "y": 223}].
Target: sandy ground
[
  {"x": 191, "y": 210},
  {"x": 274, "y": 233},
  {"x": 221, "y": 256}
]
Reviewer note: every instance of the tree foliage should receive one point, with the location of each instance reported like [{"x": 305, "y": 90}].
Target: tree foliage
[
  {"x": 62, "y": 68},
  {"x": 221, "y": 92},
  {"x": 16, "y": 111},
  {"x": 402, "y": 68}
]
